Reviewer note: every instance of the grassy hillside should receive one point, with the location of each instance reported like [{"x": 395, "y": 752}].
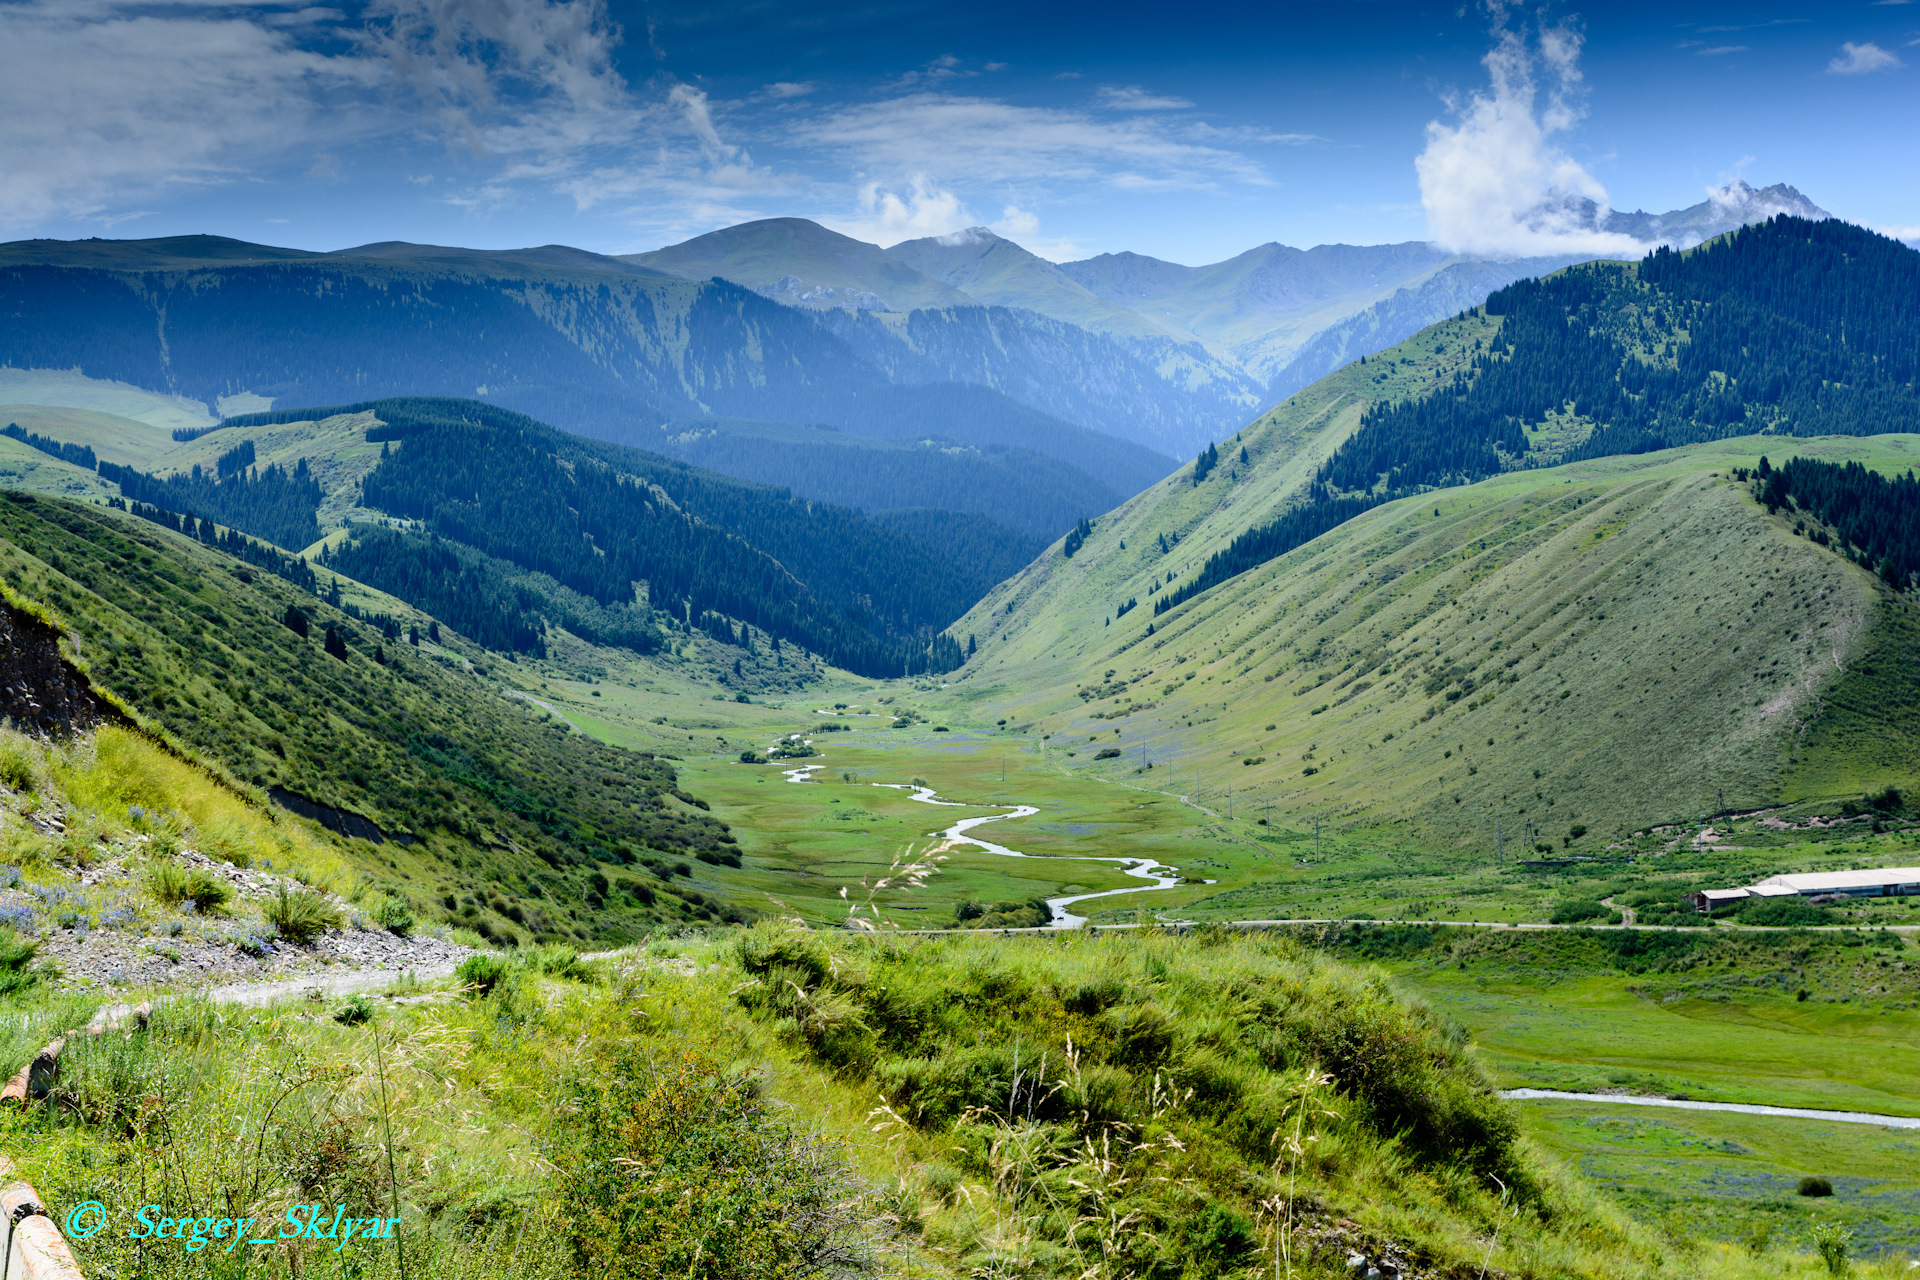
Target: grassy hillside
[
  {"x": 114, "y": 438},
  {"x": 489, "y": 811},
  {"x": 1156, "y": 1107},
  {"x": 1607, "y": 644}
]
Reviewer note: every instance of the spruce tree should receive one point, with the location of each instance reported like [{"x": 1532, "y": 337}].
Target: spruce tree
[{"x": 336, "y": 647}]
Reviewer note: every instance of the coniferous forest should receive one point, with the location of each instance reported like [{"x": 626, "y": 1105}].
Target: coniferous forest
[
  {"x": 569, "y": 529},
  {"x": 1874, "y": 520},
  {"x": 1787, "y": 327},
  {"x": 272, "y": 502}
]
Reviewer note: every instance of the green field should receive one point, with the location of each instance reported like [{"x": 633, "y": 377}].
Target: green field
[{"x": 1718, "y": 1022}]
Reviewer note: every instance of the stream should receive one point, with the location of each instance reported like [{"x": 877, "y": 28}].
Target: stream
[
  {"x": 1744, "y": 1108},
  {"x": 1140, "y": 868}
]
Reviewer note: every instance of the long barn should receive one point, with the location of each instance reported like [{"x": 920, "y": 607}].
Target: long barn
[{"x": 1883, "y": 882}]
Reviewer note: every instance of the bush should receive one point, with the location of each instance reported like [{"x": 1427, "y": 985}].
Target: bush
[
  {"x": 1106, "y": 753},
  {"x": 482, "y": 972},
  {"x": 1781, "y": 912},
  {"x": 675, "y": 1168},
  {"x": 1834, "y": 1243},
  {"x": 1815, "y": 1187},
  {"x": 356, "y": 1010},
  {"x": 20, "y": 763},
  {"x": 173, "y": 884},
  {"x": 395, "y": 915},
  {"x": 1575, "y": 910},
  {"x": 15, "y": 957},
  {"x": 300, "y": 915},
  {"x": 558, "y": 962}
]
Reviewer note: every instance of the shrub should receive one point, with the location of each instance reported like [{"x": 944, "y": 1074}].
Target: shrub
[
  {"x": 15, "y": 957},
  {"x": 356, "y": 1010},
  {"x": 559, "y": 962},
  {"x": 1815, "y": 1187},
  {"x": 173, "y": 884},
  {"x": 20, "y": 763},
  {"x": 1106, "y": 753},
  {"x": 1834, "y": 1243},
  {"x": 1575, "y": 910},
  {"x": 674, "y": 1168},
  {"x": 1781, "y": 912},
  {"x": 482, "y": 972},
  {"x": 394, "y": 914},
  {"x": 300, "y": 915}
]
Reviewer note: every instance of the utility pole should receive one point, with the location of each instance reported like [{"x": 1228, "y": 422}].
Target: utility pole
[
  {"x": 1316, "y": 839},
  {"x": 1229, "y": 802},
  {"x": 1499, "y": 848}
]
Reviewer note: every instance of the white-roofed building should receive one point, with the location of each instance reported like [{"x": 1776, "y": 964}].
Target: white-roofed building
[{"x": 1881, "y": 882}]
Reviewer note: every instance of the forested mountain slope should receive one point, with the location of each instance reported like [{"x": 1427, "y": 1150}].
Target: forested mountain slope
[
  {"x": 1032, "y": 496},
  {"x": 514, "y": 527},
  {"x": 598, "y": 520},
  {"x": 1789, "y": 327},
  {"x": 410, "y": 748}
]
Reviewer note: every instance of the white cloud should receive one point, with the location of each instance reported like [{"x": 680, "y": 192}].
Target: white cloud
[
  {"x": 971, "y": 140},
  {"x": 781, "y": 89},
  {"x": 887, "y": 216},
  {"x": 1016, "y": 222},
  {"x": 1495, "y": 182},
  {"x": 1859, "y": 59},
  {"x": 108, "y": 104},
  {"x": 1134, "y": 98},
  {"x": 1908, "y": 234},
  {"x": 1721, "y": 50}
]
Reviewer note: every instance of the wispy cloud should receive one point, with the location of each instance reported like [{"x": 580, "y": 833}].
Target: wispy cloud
[
  {"x": 1133, "y": 98},
  {"x": 1495, "y": 181},
  {"x": 1861, "y": 59},
  {"x": 110, "y": 105},
  {"x": 1721, "y": 50},
  {"x": 112, "y": 101},
  {"x": 987, "y": 140}
]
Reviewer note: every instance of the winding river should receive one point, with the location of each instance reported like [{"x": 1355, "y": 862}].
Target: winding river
[{"x": 1148, "y": 869}]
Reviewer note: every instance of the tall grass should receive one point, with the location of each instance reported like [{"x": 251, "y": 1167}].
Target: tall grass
[{"x": 804, "y": 1104}]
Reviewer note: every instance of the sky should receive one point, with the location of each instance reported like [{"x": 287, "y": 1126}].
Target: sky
[{"x": 1189, "y": 132}]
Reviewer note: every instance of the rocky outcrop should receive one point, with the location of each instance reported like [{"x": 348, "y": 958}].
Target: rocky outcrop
[{"x": 39, "y": 689}]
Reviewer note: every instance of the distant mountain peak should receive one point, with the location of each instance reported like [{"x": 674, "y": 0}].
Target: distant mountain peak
[
  {"x": 972, "y": 235},
  {"x": 1766, "y": 202}
]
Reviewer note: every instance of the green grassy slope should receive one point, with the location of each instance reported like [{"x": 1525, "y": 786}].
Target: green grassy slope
[
  {"x": 1608, "y": 644},
  {"x": 510, "y": 813},
  {"x": 1154, "y": 1107},
  {"x": 126, "y": 441},
  {"x": 1056, "y": 598}
]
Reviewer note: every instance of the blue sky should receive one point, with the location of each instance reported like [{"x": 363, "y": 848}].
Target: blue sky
[{"x": 1188, "y": 132}]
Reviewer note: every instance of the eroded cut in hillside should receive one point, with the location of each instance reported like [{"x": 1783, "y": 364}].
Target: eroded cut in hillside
[{"x": 39, "y": 688}]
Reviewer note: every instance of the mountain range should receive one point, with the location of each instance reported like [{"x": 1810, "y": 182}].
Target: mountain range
[{"x": 1115, "y": 365}]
